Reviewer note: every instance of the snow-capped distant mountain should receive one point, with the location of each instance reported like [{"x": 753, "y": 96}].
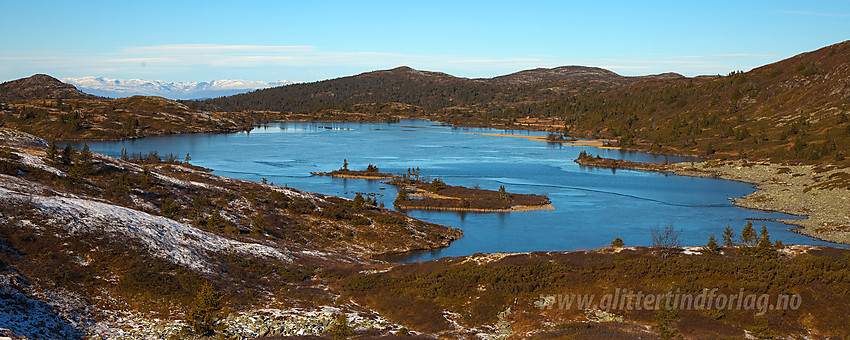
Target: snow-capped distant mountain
[{"x": 117, "y": 88}]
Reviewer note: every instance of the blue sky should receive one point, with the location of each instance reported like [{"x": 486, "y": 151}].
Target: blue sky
[{"x": 316, "y": 40}]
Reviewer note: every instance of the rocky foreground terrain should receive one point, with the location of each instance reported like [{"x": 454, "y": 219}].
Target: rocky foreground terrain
[
  {"x": 103, "y": 248},
  {"x": 93, "y": 245}
]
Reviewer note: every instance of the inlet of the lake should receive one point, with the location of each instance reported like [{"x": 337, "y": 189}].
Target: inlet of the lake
[{"x": 592, "y": 206}]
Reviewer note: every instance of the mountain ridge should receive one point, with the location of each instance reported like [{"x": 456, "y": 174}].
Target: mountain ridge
[{"x": 759, "y": 113}]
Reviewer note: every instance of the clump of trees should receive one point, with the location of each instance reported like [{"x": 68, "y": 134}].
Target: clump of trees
[
  {"x": 503, "y": 194},
  {"x": 555, "y": 137},
  {"x": 412, "y": 176},
  {"x": 152, "y": 158},
  {"x": 78, "y": 163},
  {"x": 752, "y": 242},
  {"x": 401, "y": 197},
  {"x": 437, "y": 185},
  {"x": 362, "y": 201}
]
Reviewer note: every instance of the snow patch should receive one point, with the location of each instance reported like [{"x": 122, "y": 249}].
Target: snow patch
[
  {"x": 10, "y": 136},
  {"x": 38, "y": 162},
  {"x": 25, "y": 315},
  {"x": 165, "y": 238}
]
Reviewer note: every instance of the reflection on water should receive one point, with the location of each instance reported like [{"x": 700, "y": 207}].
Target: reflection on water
[{"x": 592, "y": 206}]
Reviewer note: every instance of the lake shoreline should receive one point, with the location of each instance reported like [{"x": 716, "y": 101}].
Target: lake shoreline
[
  {"x": 802, "y": 190},
  {"x": 358, "y": 176},
  {"x": 512, "y": 209}
]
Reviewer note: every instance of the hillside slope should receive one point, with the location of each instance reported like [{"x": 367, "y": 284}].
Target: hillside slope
[
  {"x": 797, "y": 109},
  {"x": 89, "y": 240},
  {"x": 39, "y": 86},
  {"x": 46, "y": 107},
  {"x": 426, "y": 91}
]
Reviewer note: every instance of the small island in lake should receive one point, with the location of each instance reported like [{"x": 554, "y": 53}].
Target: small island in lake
[
  {"x": 416, "y": 192},
  {"x": 371, "y": 172}
]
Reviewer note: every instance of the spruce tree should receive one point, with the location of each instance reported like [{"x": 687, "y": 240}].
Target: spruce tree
[
  {"x": 205, "y": 310},
  {"x": 728, "y": 237},
  {"x": 503, "y": 195},
  {"x": 748, "y": 235},
  {"x": 618, "y": 243},
  {"x": 52, "y": 153},
  {"x": 83, "y": 163},
  {"x": 761, "y": 330},
  {"x": 359, "y": 202},
  {"x": 712, "y": 245},
  {"x": 765, "y": 247},
  {"x": 67, "y": 154}
]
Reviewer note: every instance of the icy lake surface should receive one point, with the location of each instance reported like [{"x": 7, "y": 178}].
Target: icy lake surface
[{"x": 592, "y": 206}]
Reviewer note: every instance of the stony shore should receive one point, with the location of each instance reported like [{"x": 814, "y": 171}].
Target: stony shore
[{"x": 820, "y": 193}]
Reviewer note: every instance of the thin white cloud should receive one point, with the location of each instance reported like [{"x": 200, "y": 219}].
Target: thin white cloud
[
  {"x": 215, "y": 49},
  {"x": 817, "y": 14},
  {"x": 136, "y": 60},
  {"x": 742, "y": 55},
  {"x": 257, "y": 55}
]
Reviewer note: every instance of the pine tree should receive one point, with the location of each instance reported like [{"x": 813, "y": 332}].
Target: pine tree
[
  {"x": 711, "y": 246},
  {"x": 760, "y": 329},
  {"x": 67, "y": 154},
  {"x": 765, "y": 247},
  {"x": 359, "y": 202},
  {"x": 437, "y": 185},
  {"x": 401, "y": 197},
  {"x": 618, "y": 243},
  {"x": 52, "y": 153},
  {"x": 728, "y": 237},
  {"x": 83, "y": 163},
  {"x": 124, "y": 156},
  {"x": 748, "y": 234},
  {"x": 667, "y": 319},
  {"x": 205, "y": 309},
  {"x": 339, "y": 329},
  {"x": 503, "y": 195},
  {"x": 147, "y": 178}
]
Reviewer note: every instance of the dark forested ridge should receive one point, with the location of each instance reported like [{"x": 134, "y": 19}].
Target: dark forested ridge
[
  {"x": 428, "y": 91},
  {"x": 795, "y": 109}
]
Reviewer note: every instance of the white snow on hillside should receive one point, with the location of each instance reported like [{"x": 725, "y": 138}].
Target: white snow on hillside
[
  {"x": 177, "y": 242},
  {"x": 117, "y": 88},
  {"x": 27, "y": 316}
]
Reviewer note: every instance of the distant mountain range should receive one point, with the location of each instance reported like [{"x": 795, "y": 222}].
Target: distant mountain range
[{"x": 117, "y": 88}]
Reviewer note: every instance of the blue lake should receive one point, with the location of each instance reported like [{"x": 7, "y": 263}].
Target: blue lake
[{"x": 592, "y": 206}]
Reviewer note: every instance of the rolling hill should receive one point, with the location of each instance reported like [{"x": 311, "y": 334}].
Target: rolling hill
[
  {"x": 797, "y": 109},
  {"x": 51, "y": 109}
]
